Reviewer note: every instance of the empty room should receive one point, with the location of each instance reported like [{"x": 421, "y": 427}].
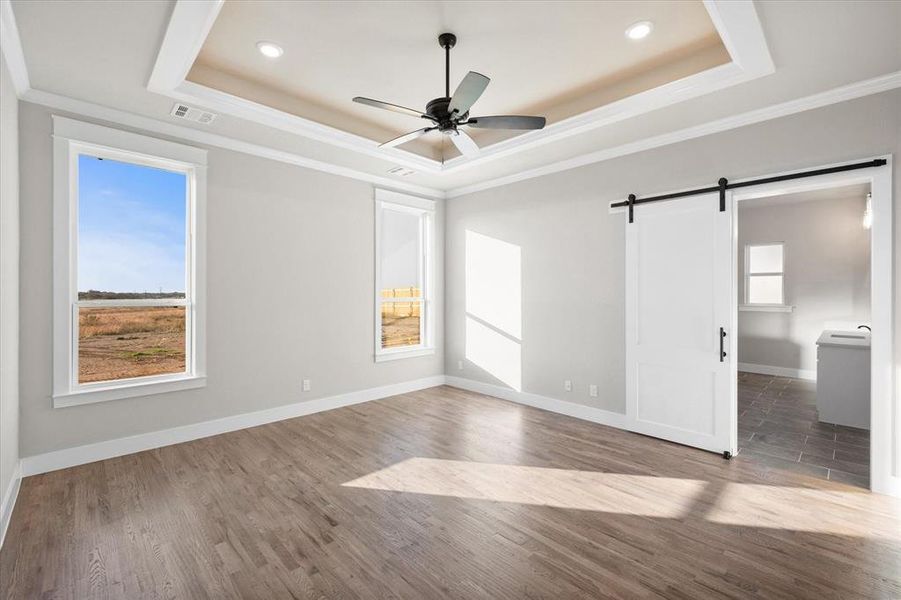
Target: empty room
[{"x": 450, "y": 299}]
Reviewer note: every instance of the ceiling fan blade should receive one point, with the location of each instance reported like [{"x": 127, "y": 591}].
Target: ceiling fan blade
[
  {"x": 392, "y": 107},
  {"x": 407, "y": 137},
  {"x": 465, "y": 144},
  {"x": 507, "y": 122},
  {"x": 468, "y": 92}
]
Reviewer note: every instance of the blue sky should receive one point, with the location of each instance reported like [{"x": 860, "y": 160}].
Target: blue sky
[{"x": 131, "y": 227}]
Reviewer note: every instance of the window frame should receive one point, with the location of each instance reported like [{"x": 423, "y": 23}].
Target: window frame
[
  {"x": 425, "y": 209},
  {"x": 763, "y": 306},
  {"x": 72, "y": 139}
]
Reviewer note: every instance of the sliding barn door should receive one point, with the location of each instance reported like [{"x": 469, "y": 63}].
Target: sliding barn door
[{"x": 679, "y": 286}]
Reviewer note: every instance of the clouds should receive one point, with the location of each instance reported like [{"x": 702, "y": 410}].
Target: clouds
[{"x": 114, "y": 262}]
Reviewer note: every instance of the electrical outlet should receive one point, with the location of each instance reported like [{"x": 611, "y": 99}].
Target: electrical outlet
[
  {"x": 460, "y": 365},
  {"x": 568, "y": 385},
  {"x": 593, "y": 390},
  {"x": 305, "y": 385}
]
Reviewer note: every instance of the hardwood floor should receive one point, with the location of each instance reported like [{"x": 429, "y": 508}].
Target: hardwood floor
[
  {"x": 778, "y": 425},
  {"x": 445, "y": 494}
]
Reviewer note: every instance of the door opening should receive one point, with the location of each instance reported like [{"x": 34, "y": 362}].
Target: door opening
[{"x": 803, "y": 332}]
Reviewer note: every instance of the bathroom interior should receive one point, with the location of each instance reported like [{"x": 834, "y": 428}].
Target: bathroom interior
[{"x": 804, "y": 332}]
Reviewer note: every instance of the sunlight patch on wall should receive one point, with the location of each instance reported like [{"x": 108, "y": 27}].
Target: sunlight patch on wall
[
  {"x": 620, "y": 493},
  {"x": 498, "y": 354},
  {"x": 494, "y": 282},
  {"x": 494, "y": 307}
]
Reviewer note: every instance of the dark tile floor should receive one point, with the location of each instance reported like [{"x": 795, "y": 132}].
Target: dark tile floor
[{"x": 778, "y": 427}]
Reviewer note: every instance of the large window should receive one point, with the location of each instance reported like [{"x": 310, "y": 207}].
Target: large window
[
  {"x": 128, "y": 312},
  {"x": 764, "y": 274},
  {"x": 404, "y": 255}
]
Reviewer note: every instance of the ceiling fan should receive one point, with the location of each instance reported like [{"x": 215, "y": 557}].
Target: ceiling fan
[{"x": 449, "y": 113}]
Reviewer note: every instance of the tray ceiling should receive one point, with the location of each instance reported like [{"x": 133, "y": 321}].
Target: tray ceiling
[{"x": 557, "y": 59}]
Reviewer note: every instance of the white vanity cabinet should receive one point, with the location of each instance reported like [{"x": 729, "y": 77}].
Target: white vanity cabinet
[{"x": 843, "y": 378}]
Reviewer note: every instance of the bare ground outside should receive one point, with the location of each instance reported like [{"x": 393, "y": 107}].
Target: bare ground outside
[{"x": 122, "y": 343}]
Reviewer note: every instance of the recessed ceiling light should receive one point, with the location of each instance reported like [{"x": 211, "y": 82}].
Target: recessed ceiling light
[
  {"x": 640, "y": 30},
  {"x": 270, "y": 50}
]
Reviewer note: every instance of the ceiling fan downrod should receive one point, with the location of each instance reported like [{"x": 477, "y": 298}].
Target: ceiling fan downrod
[{"x": 447, "y": 41}]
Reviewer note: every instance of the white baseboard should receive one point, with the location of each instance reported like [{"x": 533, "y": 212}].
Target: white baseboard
[
  {"x": 9, "y": 501},
  {"x": 79, "y": 455},
  {"x": 810, "y": 375},
  {"x": 563, "y": 407}
]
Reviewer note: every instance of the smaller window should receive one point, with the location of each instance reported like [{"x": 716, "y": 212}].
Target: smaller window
[
  {"x": 764, "y": 274},
  {"x": 404, "y": 255}
]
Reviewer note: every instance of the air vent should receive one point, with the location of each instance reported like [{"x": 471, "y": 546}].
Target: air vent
[
  {"x": 400, "y": 171},
  {"x": 189, "y": 113}
]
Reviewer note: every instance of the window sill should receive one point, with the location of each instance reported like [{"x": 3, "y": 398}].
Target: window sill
[
  {"x": 398, "y": 354},
  {"x": 130, "y": 390},
  {"x": 782, "y": 308}
]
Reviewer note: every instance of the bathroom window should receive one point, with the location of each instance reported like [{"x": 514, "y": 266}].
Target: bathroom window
[{"x": 765, "y": 276}]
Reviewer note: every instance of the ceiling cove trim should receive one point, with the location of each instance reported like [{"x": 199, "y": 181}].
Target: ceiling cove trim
[
  {"x": 852, "y": 91},
  {"x": 11, "y": 45},
  {"x": 188, "y": 28},
  {"x": 735, "y": 20},
  {"x": 115, "y": 116}
]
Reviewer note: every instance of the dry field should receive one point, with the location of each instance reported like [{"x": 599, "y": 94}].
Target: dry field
[
  {"x": 399, "y": 330},
  {"x": 400, "y": 320},
  {"x": 120, "y": 343}
]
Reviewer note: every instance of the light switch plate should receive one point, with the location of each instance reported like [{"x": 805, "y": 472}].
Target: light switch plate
[
  {"x": 568, "y": 385},
  {"x": 306, "y": 385},
  {"x": 593, "y": 390}
]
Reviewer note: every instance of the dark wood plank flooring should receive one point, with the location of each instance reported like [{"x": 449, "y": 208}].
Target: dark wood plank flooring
[
  {"x": 445, "y": 494},
  {"x": 778, "y": 425}
]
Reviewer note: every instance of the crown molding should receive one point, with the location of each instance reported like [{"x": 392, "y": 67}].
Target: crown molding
[
  {"x": 843, "y": 93},
  {"x": 736, "y": 22},
  {"x": 11, "y": 45},
  {"x": 119, "y": 117}
]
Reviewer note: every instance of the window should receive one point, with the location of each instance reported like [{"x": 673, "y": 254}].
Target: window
[
  {"x": 404, "y": 233},
  {"x": 764, "y": 275},
  {"x": 128, "y": 284}
]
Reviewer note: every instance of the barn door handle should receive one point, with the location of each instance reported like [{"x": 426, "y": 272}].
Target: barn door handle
[{"x": 722, "y": 342}]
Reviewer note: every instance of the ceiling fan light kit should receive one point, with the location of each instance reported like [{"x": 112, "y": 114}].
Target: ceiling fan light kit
[{"x": 448, "y": 113}]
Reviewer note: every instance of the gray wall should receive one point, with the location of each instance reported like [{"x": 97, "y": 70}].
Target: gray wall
[
  {"x": 9, "y": 279},
  {"x": 280, "y": 235},
  {"x": 827, "y": 277},
  {"x": 290, "y": 277},
  {"x": 573, "y": 250}
]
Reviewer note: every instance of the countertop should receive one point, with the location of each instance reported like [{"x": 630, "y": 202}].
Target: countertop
[{"x": 845, "y": 339}]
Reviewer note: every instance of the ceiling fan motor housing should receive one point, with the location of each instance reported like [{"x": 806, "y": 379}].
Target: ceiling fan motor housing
[{"x": 438, "y": 109}]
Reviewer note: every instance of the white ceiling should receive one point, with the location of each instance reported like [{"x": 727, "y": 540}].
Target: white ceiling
[
  {"x": 555, "y": 59},
  {"x": 103, "y": 52},
  {"x": 858, "y": 191}
]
